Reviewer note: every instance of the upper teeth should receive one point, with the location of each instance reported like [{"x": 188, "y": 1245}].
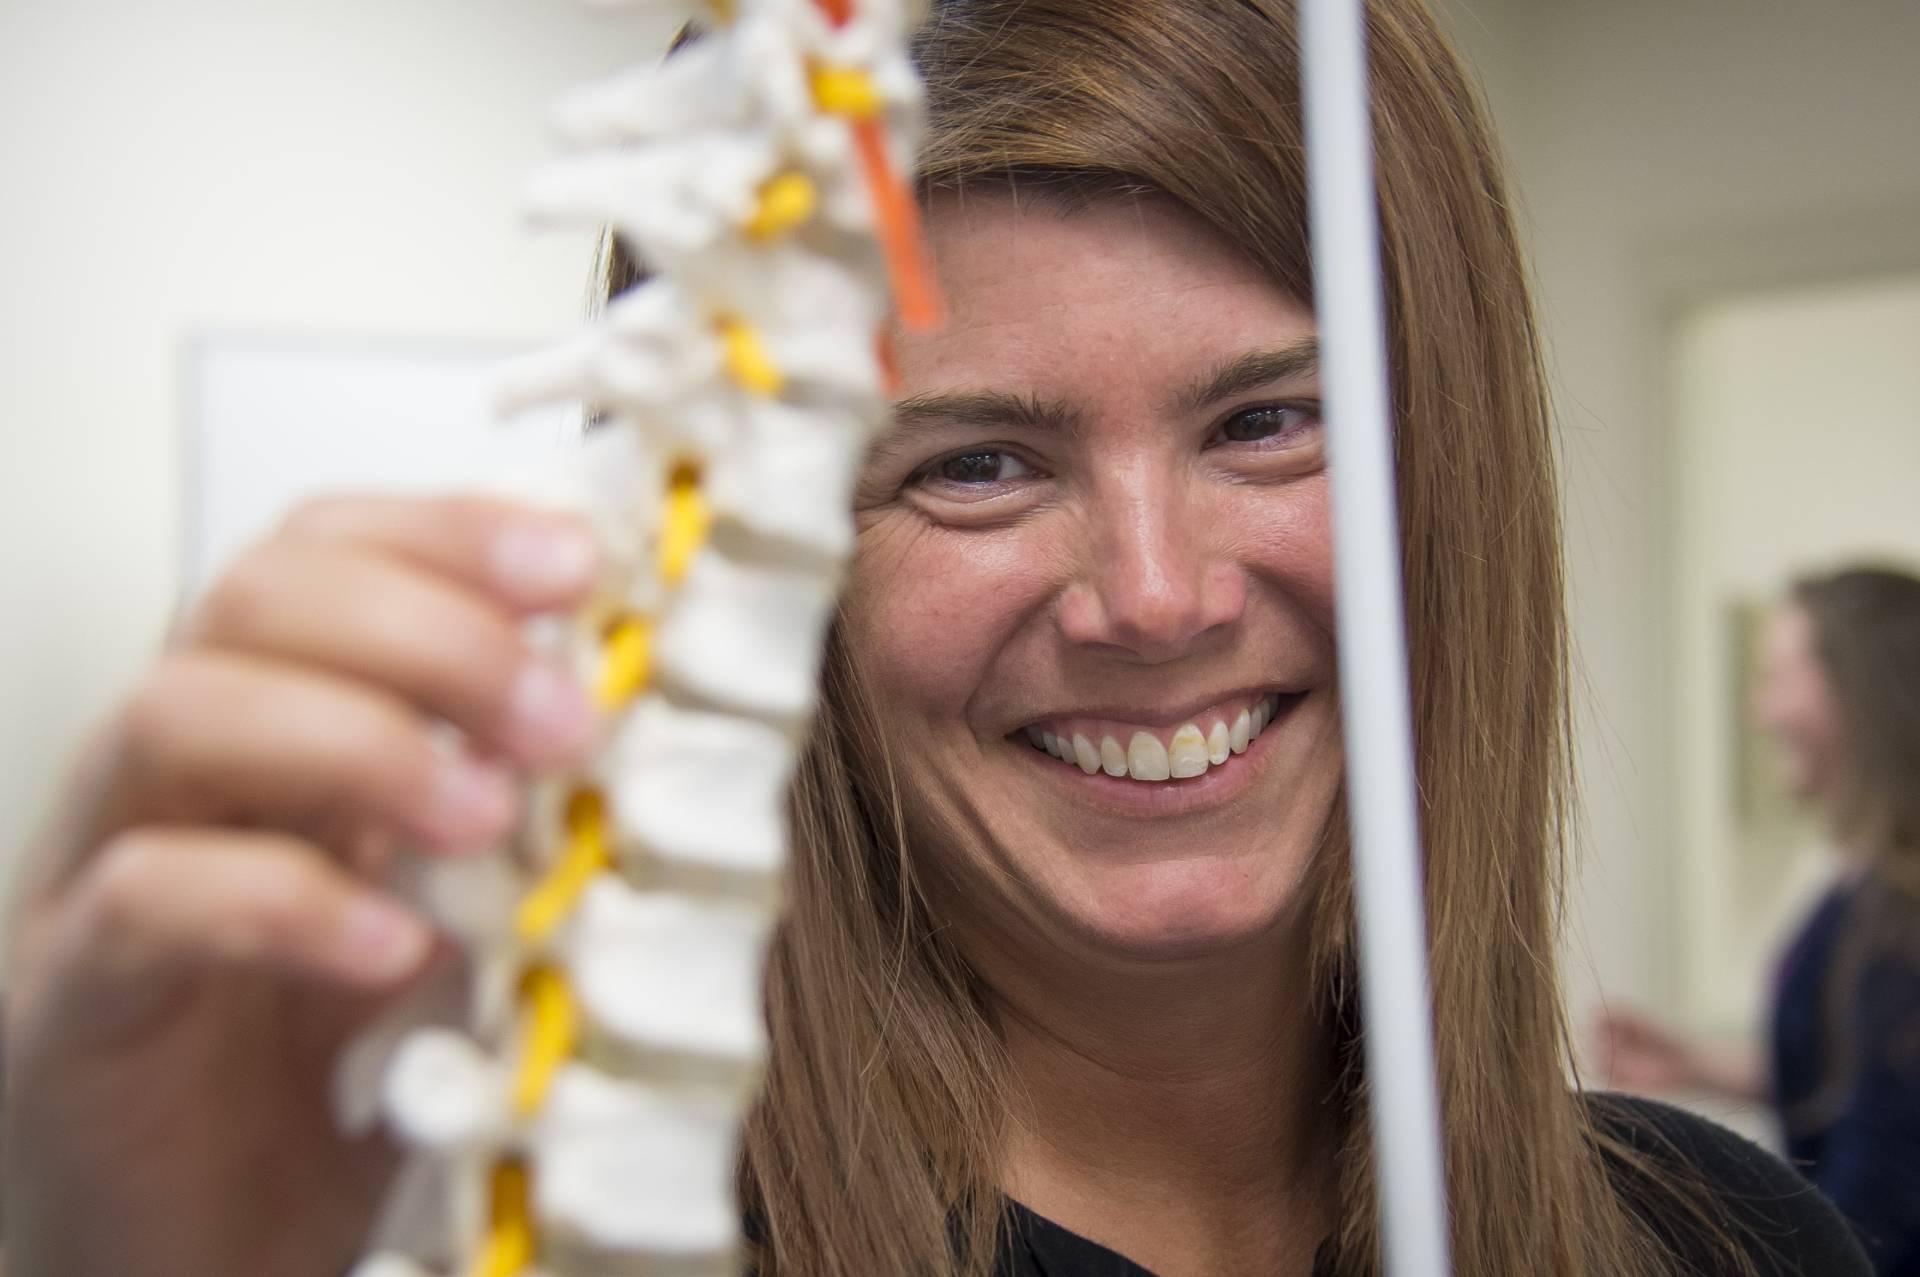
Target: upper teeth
[{"x": 1188, "y": 751}]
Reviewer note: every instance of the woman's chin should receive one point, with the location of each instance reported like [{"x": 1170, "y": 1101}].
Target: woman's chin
[{"x": 1179, "y": 909}]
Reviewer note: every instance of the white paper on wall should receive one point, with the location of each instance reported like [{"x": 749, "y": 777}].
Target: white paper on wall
[{"x": 270, "y": 421}]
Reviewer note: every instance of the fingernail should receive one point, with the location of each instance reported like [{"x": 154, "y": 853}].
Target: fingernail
[
  {"x": 383, "y": 941},
  {"x": 472, "y": 801},
  {"x": 551, "y": 714},
  {"x": 544, "y": 558}
]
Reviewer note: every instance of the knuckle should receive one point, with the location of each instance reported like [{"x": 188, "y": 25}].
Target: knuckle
[
  {"x": 480, "y": 695},
  {"x": 420, "y": 626},
  {"x": 318, "y": 517},
  {"x": 286, "y": 892},
  {"x": 415, "y": 615},
  {"x": 381, "y": 749},
  {"x": 469, "y": 515},
  {"x": 249, "y": 589},
  {"x": 371, "y": 742},
  {"x": 153, "y": 714},
  {"x": 492, "y": 653},
  {"x": 407, "y": 788},
  {"x": 124, "y": 878}
]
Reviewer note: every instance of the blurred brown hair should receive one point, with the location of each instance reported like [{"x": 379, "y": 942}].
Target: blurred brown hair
[
  {"x": 873, "y": 1152},
  {"x": 1866, "y": 624}
]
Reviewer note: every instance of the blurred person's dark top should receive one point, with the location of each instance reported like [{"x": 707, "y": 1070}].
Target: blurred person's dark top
[{"x": 1846, "y": 1072}]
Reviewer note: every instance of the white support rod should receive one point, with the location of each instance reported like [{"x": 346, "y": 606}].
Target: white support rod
[{"x": 1374, "y": 686}]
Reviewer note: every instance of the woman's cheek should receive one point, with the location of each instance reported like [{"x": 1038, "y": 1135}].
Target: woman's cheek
[
  {"x": 927, "y": 608},
  {"x": 904, "y": 603},
  {"x": 1286, "y": 536}
]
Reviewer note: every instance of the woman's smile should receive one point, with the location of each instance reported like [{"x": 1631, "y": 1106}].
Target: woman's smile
[
  {"x": 1178, "y": 746},
  {"x": 1155, "y": 765}
]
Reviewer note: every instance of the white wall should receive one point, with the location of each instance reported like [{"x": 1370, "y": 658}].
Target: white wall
[
  {"x": 1798, "y": 448},
  {"x": 1668, "y": 152},
  {"x": 1488, "y": 35},
  {"x": 347, "y": 167}
]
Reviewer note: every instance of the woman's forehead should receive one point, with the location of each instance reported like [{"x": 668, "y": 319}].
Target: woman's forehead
[{"x": 1114, "y": 291}]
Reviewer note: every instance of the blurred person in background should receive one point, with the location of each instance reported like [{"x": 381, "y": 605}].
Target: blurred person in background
[{"x": 1839, "y": 690}]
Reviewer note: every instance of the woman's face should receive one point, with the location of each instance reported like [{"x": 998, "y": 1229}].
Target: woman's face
[
  {"x": 1792, "y": 703},
  {"x": 1100, "y": 519}
]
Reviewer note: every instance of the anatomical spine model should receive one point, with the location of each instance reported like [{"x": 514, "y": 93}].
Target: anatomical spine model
[{"x": 582, "y": 1116}]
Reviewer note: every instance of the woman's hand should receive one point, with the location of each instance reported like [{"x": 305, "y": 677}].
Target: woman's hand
[
  {"x": 1637, "y": 1053},
  {"x": 200, "y": 931}
]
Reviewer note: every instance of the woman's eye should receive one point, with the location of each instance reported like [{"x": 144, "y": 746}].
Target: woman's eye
[
  {"x": 1256, "y": 425},
  {"x": 976, "y": 468}
]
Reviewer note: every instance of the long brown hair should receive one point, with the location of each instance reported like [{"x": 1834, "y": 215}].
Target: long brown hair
[
  {"x": 1866, "y": 628},
  {"x": 873, "y": 1151}
]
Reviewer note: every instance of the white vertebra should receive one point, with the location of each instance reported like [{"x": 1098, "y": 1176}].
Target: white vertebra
[
  {"x": 746, "y": 637},
  {"x": 443, "y": 1092},
  {"x": 388, "y": 1265},
  {"x": 698, "y": 790},
  {"x": 625, "y": 1167},
  {"x": 791, "y": 486},
  {"x": 665, "y": 975}
]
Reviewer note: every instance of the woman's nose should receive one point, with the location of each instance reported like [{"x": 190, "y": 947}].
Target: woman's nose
[{"x": 1153, "y": 578}]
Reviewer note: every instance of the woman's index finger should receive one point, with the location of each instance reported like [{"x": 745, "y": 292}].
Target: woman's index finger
[{"x": 527, "y": 558}]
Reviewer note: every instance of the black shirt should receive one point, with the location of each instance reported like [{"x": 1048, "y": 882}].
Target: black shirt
[{"x": 1786, "y": 1228}]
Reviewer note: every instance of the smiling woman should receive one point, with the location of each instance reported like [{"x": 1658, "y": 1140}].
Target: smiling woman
[
  {"x": 1070, "y": 969},
  {"x": 1066, "y": 986}
]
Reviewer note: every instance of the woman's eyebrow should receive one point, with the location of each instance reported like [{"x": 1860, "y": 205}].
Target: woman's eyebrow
[
  {"x": 990, "y": 409},
  {"x": 1250, "y": 371}
]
